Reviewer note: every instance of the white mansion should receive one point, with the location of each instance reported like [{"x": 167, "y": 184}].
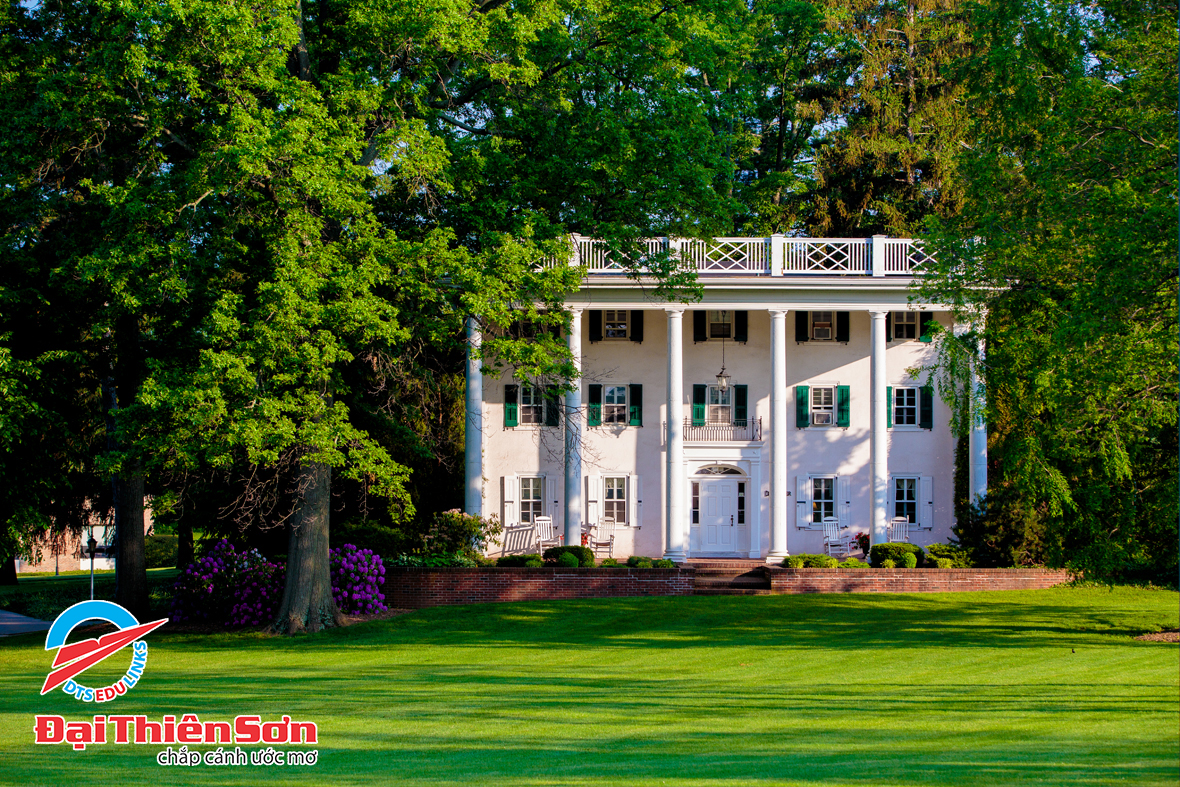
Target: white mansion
[{"x": 734, "y": 426}]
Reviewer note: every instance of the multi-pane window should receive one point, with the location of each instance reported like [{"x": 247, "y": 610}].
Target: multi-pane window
[
  {"x": 720, "y": 324},
  {"x": 822, "y": 326},
  {"x": 823, "y": 405},
  {"x": 905, "y": 406},
  {"x": 905, "y": 325},
  {"x": 614, "y": 404},
  {"x": 823, "y": 499},
  {"x": 905, "y": 498},
  {"x": 614, "y": 324},
  {"x": 530, "y": 499},
  {"x": 696, "y": 502},
  {"x": 741, "y": 503},
  {"x": 720, "y": 405},
  {"x": 532, "y": 405},
  {"x": 615, "y": 503}
]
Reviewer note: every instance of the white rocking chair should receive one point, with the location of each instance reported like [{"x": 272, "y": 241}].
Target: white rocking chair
[
  {"x": 836, "y": 544},
  {"x": 603, "y": 537},
  {"x": 518, "y": 539},
  {"x": 899, "y": 530},
  {"x": 547, "y": 535}
]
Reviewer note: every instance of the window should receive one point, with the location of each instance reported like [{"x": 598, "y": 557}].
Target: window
[
  {"x": 532, "y": 405},
  {"x": 905, "y": 406},
  {"x": 905, "y": 325},
  {"x": 720, "y": 324},
  {"x": 823, "y": 405},
  {"x": 614, "y": 324},
  {"x": 530, "y": 499},
  {"x": 823, "y": 326},
  {"x": 720, "y": 405},
  {"x": 615, "y": 504},
  {"x": 696, "y": 502},
  {"x": 614, "y": 404},
  {"x": 823, "y": 499},
  {"x": 741, "y": 501},
  {"x": 905, "y": 498}
]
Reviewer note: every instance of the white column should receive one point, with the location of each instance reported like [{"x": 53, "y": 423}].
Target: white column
[
  {"x": 978, "y": 439},
  {"x": 878, "y": 437},
  {"x": 779, "y": 502},
  {"x": 676, "y": 533},
  {"x": 573, "y": 438},
  {"x": 473, "y": 431}
]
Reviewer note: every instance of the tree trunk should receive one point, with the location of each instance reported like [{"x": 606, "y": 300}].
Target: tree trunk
[
  {"x": 131, "y": 589},
  {"x": 8, "y": 572},
  {"x": 308, "y": 604}
]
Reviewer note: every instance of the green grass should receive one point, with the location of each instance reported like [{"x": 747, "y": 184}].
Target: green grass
[{"x": 1024, "y": 688}]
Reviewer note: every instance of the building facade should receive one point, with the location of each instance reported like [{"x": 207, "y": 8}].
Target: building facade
[{"x": 734, "y": 426}]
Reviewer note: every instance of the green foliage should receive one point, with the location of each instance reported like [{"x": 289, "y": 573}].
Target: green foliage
[
  {"x": 909, "y": 560},
  {"x": 385, "y": 541},
  {"x": 805, "y": 560},
  {"x": 609, "y": 562},
  {"x": 887, "y": 563},
  {"x": 567, "y": 560},
  {"x": 160, "y": 551},
  {"x": 958, "y": 556},
  {"x": 638, "y": 561},
  {"x": 443, "y": 560},
  {"x": 942, "y": 562},
  {"x": 584, "y": 555},
  {"x": 896, "y": 553},
  {"x": 518, "y": 561},
  {"x": 456, "y": 532},
  {"x": 663, "y": 562},
  {"x": 853, "y": 563}
]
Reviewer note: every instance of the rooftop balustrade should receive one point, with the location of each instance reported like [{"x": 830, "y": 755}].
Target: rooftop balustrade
[{"x": 777, "y": 255}]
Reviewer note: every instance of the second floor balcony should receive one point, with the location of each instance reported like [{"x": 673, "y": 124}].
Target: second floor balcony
[{"x": 747, "y": 430}]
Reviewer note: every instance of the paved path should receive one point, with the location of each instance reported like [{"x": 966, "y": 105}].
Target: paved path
[{"x": 12, "y": 623}]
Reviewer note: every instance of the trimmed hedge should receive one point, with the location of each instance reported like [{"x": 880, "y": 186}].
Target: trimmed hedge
[
  {"x": 896, "y": 553},
  {"x": 909, "y": 560},
  {"x": 609, "y": 562},
  {"x": 941, "y": 562},
  {"x": 158, "y": 551},
  {"x": 519, "y": 561},
  {"x": 853, "y": 563},
  {"x": 959, "y": 557},
  {"x": 584, "y": 555},
  {"x": 567, "y": 560},
  {"x": 663, "y": 563},
  {"x": 804, "y": 560}
]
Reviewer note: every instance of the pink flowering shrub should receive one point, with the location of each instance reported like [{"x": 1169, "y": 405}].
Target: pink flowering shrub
[{"x": 357, "y": 575}]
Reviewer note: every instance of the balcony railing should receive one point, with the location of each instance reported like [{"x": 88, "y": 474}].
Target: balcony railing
[
  {"x": 776, "y": 255},
  {"x": 749, "y": 430}
]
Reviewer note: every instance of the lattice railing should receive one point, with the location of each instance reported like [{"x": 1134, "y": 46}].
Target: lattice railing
[{"x": 838, "y": 256}]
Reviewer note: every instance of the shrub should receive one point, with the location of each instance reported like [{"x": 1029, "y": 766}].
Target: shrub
[
  {"x": 357, "y": 575},
  {"x": 517, "y": 561},
  {"x": 453, "y": 532},
  {"x": 258, "y": 594},
  {"x": 942, "y": 562},
  {"x": 384, "y": 541},
  {"x": 584, "y": 555},
  {"x": 214, "y": 587},
  {"x": 853, "y": 563},
  {"x": 431, "y": 561},
  {"x": 639, "y": 561},
  {"x": 567, "y": 560},
  {"x": 895, "y": 553},
  {"x": 887, "y": 563},
  {"x": 909, "y": 560},
  {"x": 959, "y": 557},
  {"x": 158, "y": 551},
  {"x": 805, "y": 560},
  {"x": 663, "y": 563},
  {"x": 609, "y": 562}
]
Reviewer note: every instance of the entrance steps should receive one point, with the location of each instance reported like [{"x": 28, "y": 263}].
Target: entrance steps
[{"x": 736, "y": 577}]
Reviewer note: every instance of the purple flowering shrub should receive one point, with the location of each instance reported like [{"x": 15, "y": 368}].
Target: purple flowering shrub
[
  {"x": 205, "y": 590},
  {"x": 257, "y": 593},
  {"x": 357, "y": 575}
]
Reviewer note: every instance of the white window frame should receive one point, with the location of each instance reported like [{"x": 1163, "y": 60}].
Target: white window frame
[
  {"x": 711, "y": 408},
  {"x": 923, "y": 499},
  {"x": 827, "y": 412},
  {"x": 908, "y": 320},
  {"x": 614, "y": 326},
  {"x": 537, "y": 505},
  {"x": 720, "y": 317},
  {"x": 610, "y": 484},
  {"x": 830, "y": 482},
  {"x": 830, "y": 324},
  {"x": 804, "y": 505},
  {"x": 913, "y": 392},
  {"x": 535, "y": 391},
  {"x": 619, "y": 414}
]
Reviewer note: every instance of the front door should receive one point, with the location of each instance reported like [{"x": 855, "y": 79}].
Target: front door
[{"x": 718, "y": 517}]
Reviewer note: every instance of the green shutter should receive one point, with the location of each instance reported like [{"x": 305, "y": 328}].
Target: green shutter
[
  {"x": 595, "y": 325},
  {"x": 552, "y": 406},
  {"x": 927, "y": 319},
  {"x": 926, "y": 408},
  {"x": 511, "y": 405},
  {"x": 637, "y": 325},
  {"x": 843, "y": 406},
  {"x": 594, "y": 406},
  {"x": 889, "y": 407},
  {"x": 636, "y": 404},
  {"x": 802, "y": 406},
  {"x": 741, "y": 326},
  {"x": 740, "y": 404},
  {"x": 700, "y": 326},
  {"x": 699, "y": 392},
  {"x": 842, "y": 331}
]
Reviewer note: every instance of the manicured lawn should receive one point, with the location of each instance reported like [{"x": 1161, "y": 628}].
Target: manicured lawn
[{"x": 1034, "y": 687}]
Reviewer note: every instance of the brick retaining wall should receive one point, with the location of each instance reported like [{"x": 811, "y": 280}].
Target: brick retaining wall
[
  {"x": 412, "y": 588},
  {"x": 910, "y": 580}
]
